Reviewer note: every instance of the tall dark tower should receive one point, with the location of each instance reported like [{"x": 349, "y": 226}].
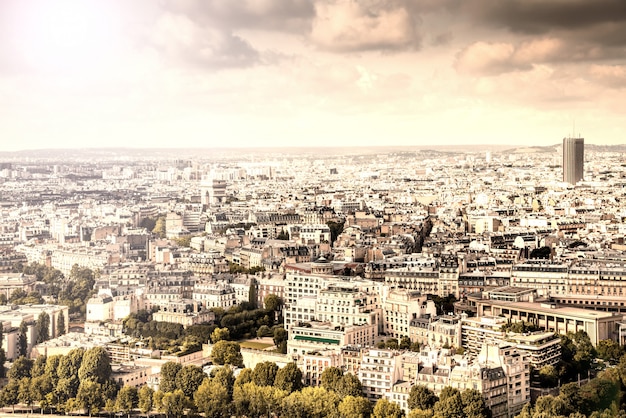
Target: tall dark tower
[{"x": 573, "y": 159}]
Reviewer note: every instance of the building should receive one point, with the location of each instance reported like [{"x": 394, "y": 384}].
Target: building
[
  {"x": 379, "y": 372},
  {"x": 573, "y": 159}
]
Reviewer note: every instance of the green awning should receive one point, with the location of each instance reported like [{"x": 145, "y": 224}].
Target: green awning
[{"x": 316, "y": 339}]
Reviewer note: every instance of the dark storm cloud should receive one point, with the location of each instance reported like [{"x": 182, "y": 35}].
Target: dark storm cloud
[{"x": 541, "y": 16}]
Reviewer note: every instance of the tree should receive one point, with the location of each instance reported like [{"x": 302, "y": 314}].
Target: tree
[
  {"x": 95, "y": 366},
  {"x": 336, "y": 228},
  {"x": 9, "y": 393},
  {"x": 421, "y": 397},
  {"x": 40, "y": 387},
  {"x": 42, "y": 328},
  {"x": 349, "y": 385},
  {"x": 169, "y": 371},
  {"x": 609, "y": 350},
  {"x": 548, "y": 376},
  {"x": 449, "y": 405},
  {"x": 212, "y": 399},
  {"x": 52, "y": 364},
  {"x": 188, "y": 379},
  {"x": 474, "y": 404},
  {"x": 127, "y": 400},
  {"x": 264, "y": 374},
  {"x": 384, "y": 408},
  {"x": 289, "y": 378},
  {"x": 61, "y": 324},
  {"x": 22, "y": 339},
  {"x": 331, "y": 378},
  {"x": 159, "y": 227},
  {"x": 24, "y": 393},
  {"x": 272, "y": 302},
  {"x": 227, "y": 352},
  {"x": 21, "y": 368},
  {"x": 311, "y": 402},
  {"x": 245, "y": 376},
  {"x": 174, "y": 403},
  {"x": 220, "y": 334},
  {"x": 39, "y": 367},
  {"x": 225, "y": 377},
  {"x": 355, "y": 407},
  {"x": 89, "y": 396},
  {"x": 570, "y": 395},
  {"x": 145, "y": 396},
  {"x": 549, "y": 405},
  {"x": 280, "y": 336}
]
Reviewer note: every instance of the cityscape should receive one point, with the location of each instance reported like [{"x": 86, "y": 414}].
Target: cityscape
[
  {"x": 390, "y": 282},
  {"x": 313, "y": 208}
]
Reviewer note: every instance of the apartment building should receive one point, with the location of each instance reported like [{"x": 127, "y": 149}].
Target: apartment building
[{"x": 380, "y": 370}]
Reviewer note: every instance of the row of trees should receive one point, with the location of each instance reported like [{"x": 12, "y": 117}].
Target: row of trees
[{"x": 79, "y": 380}]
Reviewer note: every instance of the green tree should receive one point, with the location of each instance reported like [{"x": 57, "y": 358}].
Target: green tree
[
  {"x": 127, "y": 400},
  {"x": 22, "y": 339},
  {"x": 245, "y": 376},
  {"x": 549, "y": 405},
  {"x": 331, "y": 378},
  {"x": 110, "y": 407},
  {"x": 289, "y": 378},
  {"x": 272, "y": 302},
  {"x": 24, "y": 393},
  {"x": 169, "y": 371},
  {"x": 159, "y": 227},
  {"x": 227, "y": 352},
  {"x": 188, "y": 379},
  {"x": 21, "y": 368},
  {"x": 264, "y": 374},
  {"x": 384, "y": 408},
  {"x": 52, "y": 364},
  {"x": 145, "y": 397},
  {"x": 174, "y": 403},
  {"x": 421, "y": 397},
  {"x": 355, "y": 407},
  {"x": 449, "y": 405},
  {"x": 40, "y": 387},
  {"x": 225, "y": 377},
  {"x": 42, "y": 328},
  {"x": 61, "y": 329},
  {"x": 280, "y": 336},
  {"x": 95, "y": 366},
  {"x": 570, "y": 395},
  {"x": 548, "y": 376},
  {"x": 609, "y": 350},
  {"x": 39, "y": 367},
  {"x": 349, "y": 385},
  {"x": 474, "y": 404},
  {"x": 70, "y": 363},
  {"x": 311, "y": 402},
  {"x": 9, "y": 393},
  {"x": 220, "y": 334},
  {"x": 89, "y": 396},
  {"x": 212, "y": 399}
]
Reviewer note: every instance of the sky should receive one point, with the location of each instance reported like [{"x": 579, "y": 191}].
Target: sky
[{"x": 251, "y": 73}]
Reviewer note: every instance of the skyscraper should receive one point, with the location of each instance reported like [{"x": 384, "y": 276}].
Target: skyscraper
[{"x": 573, "y": 159}]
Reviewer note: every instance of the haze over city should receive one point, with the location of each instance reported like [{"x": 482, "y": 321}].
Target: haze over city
[{"x": 96, "y": 73}]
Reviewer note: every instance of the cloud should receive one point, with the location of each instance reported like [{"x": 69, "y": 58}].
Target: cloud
[
  {"x": 613, "y": 76},
  {"x": 491, "y": 58},
  {"x": 353, "y": 26},
  {"x": 276, "y": 15},
  {"x": 180, "y": 40}
]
